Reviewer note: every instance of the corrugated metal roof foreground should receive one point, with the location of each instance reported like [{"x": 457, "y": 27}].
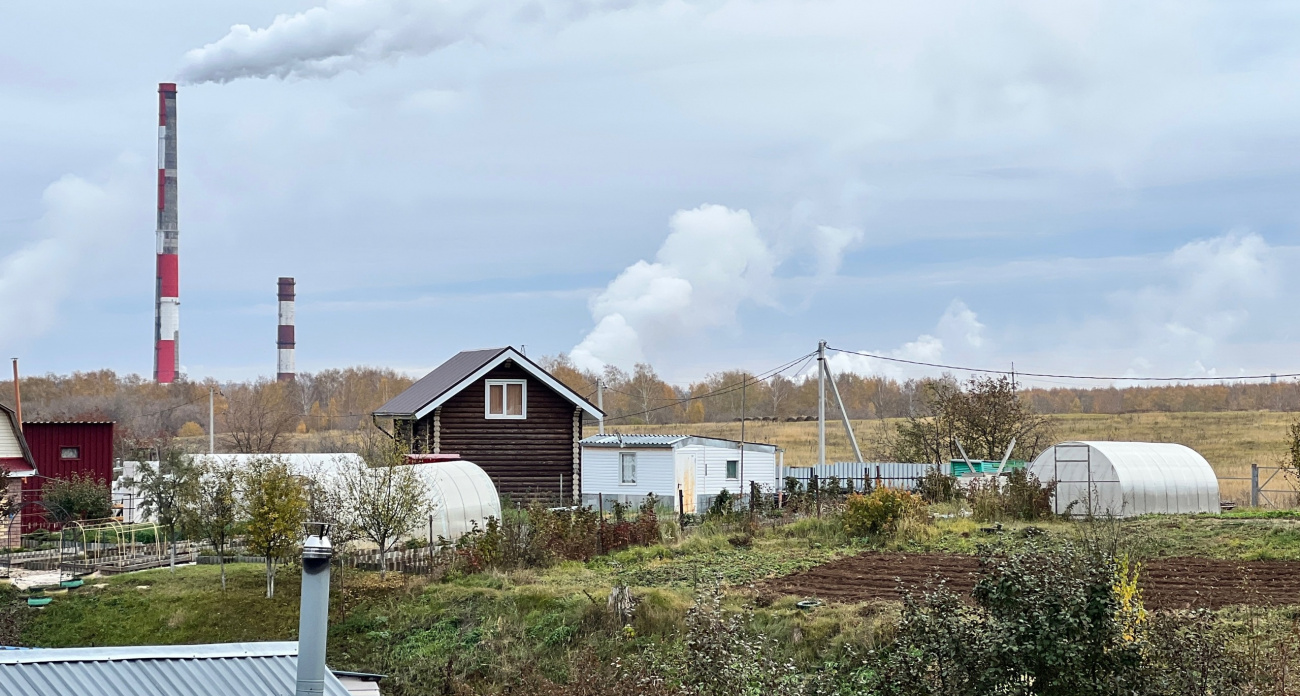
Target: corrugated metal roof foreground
[{"x": 248, "y": 669}]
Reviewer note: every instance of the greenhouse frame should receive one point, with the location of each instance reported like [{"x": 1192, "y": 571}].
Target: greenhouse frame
[{"x": 1124, "y": 479}]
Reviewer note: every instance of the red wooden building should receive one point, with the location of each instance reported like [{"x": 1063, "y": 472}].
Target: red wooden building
[{"x": 60, "y": 450}]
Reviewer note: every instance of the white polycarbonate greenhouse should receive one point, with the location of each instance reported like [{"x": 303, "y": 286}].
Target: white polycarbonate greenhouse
[
  {"x": 463, "y": 496},
  {"x": 1123, "y": 479}
]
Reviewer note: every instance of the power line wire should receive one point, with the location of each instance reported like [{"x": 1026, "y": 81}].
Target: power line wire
[
  {"x": 1019, "y": 373},
  {"x": 762, "y": 376}
]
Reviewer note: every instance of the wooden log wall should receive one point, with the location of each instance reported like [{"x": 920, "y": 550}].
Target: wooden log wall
[{"x": 525, "y": 458}]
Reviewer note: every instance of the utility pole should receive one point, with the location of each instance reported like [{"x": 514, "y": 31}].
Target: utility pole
[
  {"x": 212, "y": 420},
  {"x": 744, "y": 382},
  {"x": 600, "y": 403},
  {"x": 844, "y": 412},
  {"x": 821, "y": 403}
]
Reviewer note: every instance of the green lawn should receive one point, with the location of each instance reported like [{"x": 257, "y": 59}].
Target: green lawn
[{"x": 492, "y": 630}]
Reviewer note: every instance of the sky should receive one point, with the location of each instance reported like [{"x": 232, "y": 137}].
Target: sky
[{"x": 1079, "y": 187}]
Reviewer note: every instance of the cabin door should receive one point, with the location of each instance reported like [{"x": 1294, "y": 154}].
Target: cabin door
[{"x": 686, "y": 482}]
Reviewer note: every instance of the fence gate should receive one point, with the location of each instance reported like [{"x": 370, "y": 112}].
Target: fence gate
[{"x": 1281, "y": 494}]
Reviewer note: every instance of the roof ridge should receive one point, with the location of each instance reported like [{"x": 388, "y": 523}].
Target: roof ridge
[{"x": 152, "y": 652}]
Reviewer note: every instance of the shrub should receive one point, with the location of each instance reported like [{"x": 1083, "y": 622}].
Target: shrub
[
  {"x": 78, "y": 497},
  {"x": 1026, "y": 498},
  {"x": 880, "y": 512},
  {"x": 722, "y": 504},
  {"x": 938, "y": 487},
  {"x": 537, "y": 537},
  {"x": 190, "y": 429},
  {"x": 1017, "y": 496}
]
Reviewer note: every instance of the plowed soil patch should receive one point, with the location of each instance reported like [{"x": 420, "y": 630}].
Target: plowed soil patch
[{"x": 1167, "y": 583}]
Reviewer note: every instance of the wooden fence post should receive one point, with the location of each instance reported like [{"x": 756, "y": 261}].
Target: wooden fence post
[
  {"x": 817, "y": 493},
  {"x": 1254, "y": 484},
  {"x": 681, "y": 512}
]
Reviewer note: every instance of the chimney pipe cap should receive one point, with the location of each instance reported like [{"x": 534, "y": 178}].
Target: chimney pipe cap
[{"x": 318, "y": 543}]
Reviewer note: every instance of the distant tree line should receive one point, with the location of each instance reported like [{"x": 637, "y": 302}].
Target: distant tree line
[
  {"x": 253, "y": 416},
  {"x": 259, "y": 416},
  {"x": 642, "y": 397}
]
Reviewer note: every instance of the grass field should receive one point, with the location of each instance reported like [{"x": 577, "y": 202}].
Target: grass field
[{"x": 1229, "y": 440}]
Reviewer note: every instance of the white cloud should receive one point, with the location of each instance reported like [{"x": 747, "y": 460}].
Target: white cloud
[
  {"x": 1202, "y": 297},
  {"x": 79, "y": 237},
  {"x": 958, "y": 321},
  {"x": 829, "y": 245},
  {"x": 713, "y": 260},
  {"x": 958, "y": 326},
  {"x": 348, "y": 35}
]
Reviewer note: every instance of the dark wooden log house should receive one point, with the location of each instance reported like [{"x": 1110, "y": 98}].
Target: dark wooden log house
[{"x": 503, "y": 412}]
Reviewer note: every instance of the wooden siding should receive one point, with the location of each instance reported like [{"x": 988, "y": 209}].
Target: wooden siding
[
  {"x": 46, "y": 440},
  {"x": 656, "y": 472},
  {"x": 711, "y": 471},
  {"x": 9, "y": 445},
  {"x": 525, "y": 458}
]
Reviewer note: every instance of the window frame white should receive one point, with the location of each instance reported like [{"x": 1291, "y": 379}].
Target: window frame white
[
  {"x": 622, "y": 472},
  {"x": 505, "y": 399},
  {"x": 727, "y": 470}
]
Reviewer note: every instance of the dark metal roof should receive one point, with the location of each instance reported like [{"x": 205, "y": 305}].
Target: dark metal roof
[
  {"x": 436, "y": 383},
  {"x": 452, "y": 376},
  {"x": 249, "y": 669}
]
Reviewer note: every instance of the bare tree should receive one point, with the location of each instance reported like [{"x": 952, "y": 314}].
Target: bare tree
[
  {"x": 385, "y": 496},
  {"x": 259, "y": 416},
  {"x": 212, "y": 508},
  {"x": 986, "y": 414},
  {"x": 326, "y": 503},
  {"x": 780, "y": 390},
  {"x": 165, "y": 489}
]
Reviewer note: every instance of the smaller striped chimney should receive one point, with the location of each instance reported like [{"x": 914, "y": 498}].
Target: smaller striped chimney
[{"x": 284, "y": 340}]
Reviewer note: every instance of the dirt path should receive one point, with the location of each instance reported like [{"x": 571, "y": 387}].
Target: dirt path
[{"x": 1167, "y": 583}]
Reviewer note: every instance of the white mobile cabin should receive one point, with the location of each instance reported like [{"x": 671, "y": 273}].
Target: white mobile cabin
[{"x": 628, "y": 468}]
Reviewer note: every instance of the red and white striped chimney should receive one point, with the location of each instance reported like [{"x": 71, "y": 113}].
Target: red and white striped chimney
[
  {"x": 284, "y": 340},
  {"x": 166, "y": 322}
]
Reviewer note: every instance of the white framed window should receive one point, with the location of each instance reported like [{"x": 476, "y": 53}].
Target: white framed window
[
  {"x": 733, "y": 469},
  {"x": 627, "y": 467},
  {"x": 506, "y": 398}
]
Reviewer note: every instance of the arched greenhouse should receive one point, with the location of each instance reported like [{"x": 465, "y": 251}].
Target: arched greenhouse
[{"x": 1123, "y": 479}]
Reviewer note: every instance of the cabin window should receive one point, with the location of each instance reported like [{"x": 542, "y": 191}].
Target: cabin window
[
  {"x": 627, "y": 467},
  {"x": 507, "y": 398},
  {"x": 733, "y": 469},
  {"x": 69, "y": 453}
]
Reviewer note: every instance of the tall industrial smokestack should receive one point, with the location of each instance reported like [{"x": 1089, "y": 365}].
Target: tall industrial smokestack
[
  {"x": 166, "y": 322},
  {"x": 313, "y": 611},
  {"x": 284, "y": 341}
]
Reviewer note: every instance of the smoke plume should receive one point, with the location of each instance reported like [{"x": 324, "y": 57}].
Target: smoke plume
[
  {"x": 958, "y": 331},
  {"x": 348, "y": 35},
  {"x": 713, "y": 260},
  {"x": 78, "y": 239}
]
